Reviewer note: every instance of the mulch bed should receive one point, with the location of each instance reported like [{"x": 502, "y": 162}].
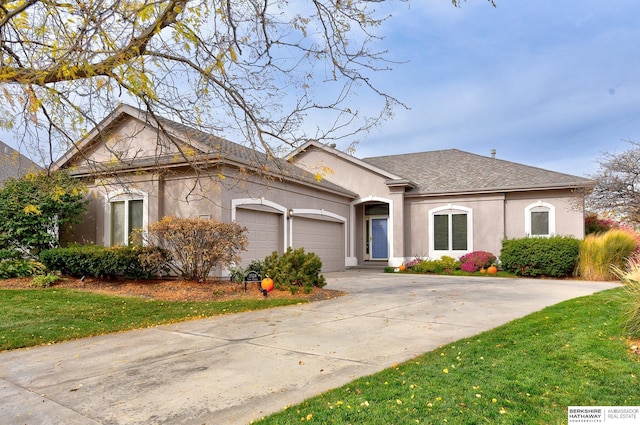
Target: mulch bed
[{"x": 173, "y": 289}]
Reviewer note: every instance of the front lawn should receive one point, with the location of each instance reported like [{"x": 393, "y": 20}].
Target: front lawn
[
  {"x": 525, "y": 372},
  {"x": 34, "y": 317}
]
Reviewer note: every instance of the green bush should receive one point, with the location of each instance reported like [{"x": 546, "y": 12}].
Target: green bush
[
  {"x": 35, "y": 206},
  {"x": 294, "y": 270},
  {"x": 44, "y": 281},
  {"x": 97, "y": 261},
  {"x": 427, "y": 266},
  {"x": 554, "y": 257},
  {"x": 444, "y": 264},
  {"x": 599, "y": 252},
  {"x": 20, "y": 267},
  {"x": 10, "y": 254}
]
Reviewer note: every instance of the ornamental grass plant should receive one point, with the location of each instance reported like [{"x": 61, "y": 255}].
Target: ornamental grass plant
[
  {"x": 600, "y": 252},
  {"x": 630, "y": 276}
]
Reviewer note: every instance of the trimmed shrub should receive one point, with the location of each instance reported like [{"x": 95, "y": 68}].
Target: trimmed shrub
[
  {"x": 98, "y": 261},
  {"x": 554, "y": 257},
  {"x": 601, "y": 251},
  {"x": 295, "y": 270},
  {"x": 474, "y": 261},
  {"x": 197, "y": 246}
]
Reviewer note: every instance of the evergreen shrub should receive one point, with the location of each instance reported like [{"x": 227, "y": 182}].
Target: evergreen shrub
[
  {"x": 556, "y": 256},
  {"x": 294, "y": 270}
]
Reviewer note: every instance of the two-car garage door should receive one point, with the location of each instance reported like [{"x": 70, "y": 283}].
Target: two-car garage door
[{"x": 266, "y": 234}]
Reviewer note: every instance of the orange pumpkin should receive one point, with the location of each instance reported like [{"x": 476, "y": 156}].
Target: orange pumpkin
[
  {"x": 267, "y": 284},
  {"x": 482, "y": 271},
  {"x": 492, "y": 270},
  {"x": 402, "y": 267}
]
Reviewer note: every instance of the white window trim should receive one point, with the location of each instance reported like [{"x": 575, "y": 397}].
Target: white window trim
[
  {"x": 552, "y": 218},
  {"x": 125, "y": 195},
  {"x": 451, "y": 253}
]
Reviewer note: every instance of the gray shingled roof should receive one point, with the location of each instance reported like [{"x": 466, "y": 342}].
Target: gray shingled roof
[
  {"x": 226, "y": 150},
  {"x": 219, "y": 149},
  {"x": 13, "y": 163},
  {"x": 455, "y": 171}
]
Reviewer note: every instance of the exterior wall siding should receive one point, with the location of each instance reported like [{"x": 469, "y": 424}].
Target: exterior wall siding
[
  {"x": 345, "y": 173},
  {"x": 568, "y": 210},
  {"x": 210, "y": 196},
  {"x": 488, "y": 223}
]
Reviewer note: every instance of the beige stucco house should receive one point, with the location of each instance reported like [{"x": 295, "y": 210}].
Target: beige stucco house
[{"x": 349, "y": 211}]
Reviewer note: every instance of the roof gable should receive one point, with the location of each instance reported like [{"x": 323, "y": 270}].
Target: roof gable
[
  {"x": 455, "y": 171},
  {"x": 392, "y": 179},
  {"x": 129, "y": 140}
]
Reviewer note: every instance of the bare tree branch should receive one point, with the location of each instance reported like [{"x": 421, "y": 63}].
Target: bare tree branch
[
  {"x": 617, "y": 185},
  {"x": 266, "y": 73}
]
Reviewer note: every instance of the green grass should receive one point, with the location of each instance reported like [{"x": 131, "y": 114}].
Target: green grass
[
  {"x": 525, "y": 372},
  {"x": 35, "y": 317}
]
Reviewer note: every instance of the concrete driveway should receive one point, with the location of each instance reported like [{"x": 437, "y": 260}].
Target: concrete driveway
[{"x": 238, "y": 368}]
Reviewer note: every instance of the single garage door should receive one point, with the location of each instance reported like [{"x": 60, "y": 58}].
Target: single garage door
[
  {"x": 325, "y": 238},
  {"x": 265, "y": 233}
]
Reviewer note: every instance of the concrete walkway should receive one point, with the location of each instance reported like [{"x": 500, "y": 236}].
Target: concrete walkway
[{"x": 238, "y": 368}]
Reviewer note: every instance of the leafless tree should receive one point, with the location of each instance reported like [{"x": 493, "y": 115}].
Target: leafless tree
[{"x": 617, "y": 185}]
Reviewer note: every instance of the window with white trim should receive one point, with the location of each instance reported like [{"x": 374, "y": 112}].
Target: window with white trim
[
  {"x": 540, "y": 219},
  {"x": 126, "y": 212},
  {"x": 451, "y": 230}
]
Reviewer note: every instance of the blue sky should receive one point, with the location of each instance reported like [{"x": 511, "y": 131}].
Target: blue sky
[{"x": 548, "y": 83}]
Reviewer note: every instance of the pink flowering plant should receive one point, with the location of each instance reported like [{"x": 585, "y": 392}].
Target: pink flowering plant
[
  {"x": 476, "y": 260},
  {"x": 412, "y": 263}
]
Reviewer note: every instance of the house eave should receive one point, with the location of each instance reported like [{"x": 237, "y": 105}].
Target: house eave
[
  {"x": 493, "y": 190},
  {"x": 400, "y": 183},
  {"x": 204, "y": 162}
]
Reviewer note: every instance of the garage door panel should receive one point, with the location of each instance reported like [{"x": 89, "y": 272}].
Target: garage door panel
[
  {"x": 264, "y": 232},
  {"x": 325, "y": 238}
]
